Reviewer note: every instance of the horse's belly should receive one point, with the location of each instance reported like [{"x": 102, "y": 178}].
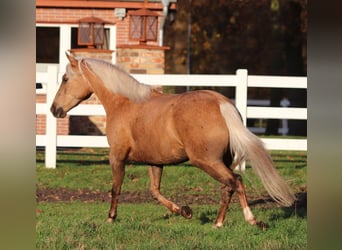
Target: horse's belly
[{"x": 158, "y": 153}]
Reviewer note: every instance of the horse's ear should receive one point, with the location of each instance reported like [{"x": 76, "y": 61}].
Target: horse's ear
[
  {"x": 72, "y": 59},
  {"x": 85, "y": 68}
]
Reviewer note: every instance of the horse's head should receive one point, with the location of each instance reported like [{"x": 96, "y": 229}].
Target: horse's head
[{"x": 73, "y": 89}]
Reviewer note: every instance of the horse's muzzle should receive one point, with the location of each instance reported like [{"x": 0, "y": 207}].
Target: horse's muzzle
[{"x": 57, "y": 112}]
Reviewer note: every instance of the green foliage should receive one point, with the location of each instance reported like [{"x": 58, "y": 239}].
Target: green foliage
[{"x": 266, "y": 37}]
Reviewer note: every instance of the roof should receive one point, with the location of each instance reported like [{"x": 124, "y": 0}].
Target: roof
[{"x": 110, "y": 4}]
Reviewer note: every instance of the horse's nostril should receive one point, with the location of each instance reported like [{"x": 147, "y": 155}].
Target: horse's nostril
[
  {"x": 53, "y": 109},
  {"x": 57, "y": 112},
  {"x": 60, "y": 113}
]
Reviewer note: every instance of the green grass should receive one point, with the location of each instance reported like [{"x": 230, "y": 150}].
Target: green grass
[
  {"x": 80, "y": 225},
  {"x": 76, "y": 225},
  {"x": 89, "y": 169}
]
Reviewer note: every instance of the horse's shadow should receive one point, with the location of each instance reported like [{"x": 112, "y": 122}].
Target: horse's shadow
[
  {"x": 298, "y": 209},
  {"x": 206, "y": 217}
]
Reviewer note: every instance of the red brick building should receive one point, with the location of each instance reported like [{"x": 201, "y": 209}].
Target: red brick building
[{"x": 127, "y": 33}]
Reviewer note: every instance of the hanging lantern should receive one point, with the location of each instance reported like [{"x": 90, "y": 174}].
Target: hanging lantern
[
  {"x": 143, "y": 25},
  {"x": 91, "y": 32}
]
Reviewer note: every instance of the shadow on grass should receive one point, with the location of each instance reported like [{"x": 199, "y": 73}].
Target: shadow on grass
[
  {"x": 205, "y": 217},
  {"x": 299, "y": 208},
  {"x": 76, "y": 156},
  {"x": 80, "y": 163}
]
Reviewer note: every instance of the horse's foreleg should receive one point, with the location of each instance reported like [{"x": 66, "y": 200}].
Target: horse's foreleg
[
  {"x": 155, "y": 174},
  {"x": 118, "y": 172}
]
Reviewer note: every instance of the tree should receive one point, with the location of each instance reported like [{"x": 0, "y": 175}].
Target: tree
[{"x": 267, "y": 37}]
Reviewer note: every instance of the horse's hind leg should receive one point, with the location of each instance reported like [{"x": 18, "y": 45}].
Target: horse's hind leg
[
  {"x": 227, "y": 193},
  {"x": 155, "y": 174},
  {"x": 231, "y": 183},
  {"x": 226, "y": 196},
  {"x": 249, "y": 217}
]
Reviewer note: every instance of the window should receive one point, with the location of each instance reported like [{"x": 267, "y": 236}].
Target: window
[{"x": 47, "y": 44}]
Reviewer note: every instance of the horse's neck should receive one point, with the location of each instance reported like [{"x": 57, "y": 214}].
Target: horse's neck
[
  {"x": 105, "y": 95},
  {"x": 109, "y": 100}
]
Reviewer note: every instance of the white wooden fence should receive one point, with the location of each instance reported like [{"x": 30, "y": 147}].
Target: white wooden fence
[{"x": 241, "y": 81}]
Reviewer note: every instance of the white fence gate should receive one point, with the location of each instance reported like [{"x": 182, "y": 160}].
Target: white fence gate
[{"x": 241, "y": 81}]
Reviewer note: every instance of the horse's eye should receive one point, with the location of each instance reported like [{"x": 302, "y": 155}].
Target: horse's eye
[{"x": 65, "y": 78}]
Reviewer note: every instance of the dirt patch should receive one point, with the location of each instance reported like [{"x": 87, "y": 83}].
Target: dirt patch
[{"x": 63, "y": 194}]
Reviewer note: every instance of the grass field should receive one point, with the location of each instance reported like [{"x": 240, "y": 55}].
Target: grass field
[{"x": 72, "y": 224}]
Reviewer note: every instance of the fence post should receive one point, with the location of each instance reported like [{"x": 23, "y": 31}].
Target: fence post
[
  {"x": 241, "y": 93},
  {"x": 241, "y": 99},
  {"x": 284, "y": 123},
  {"x": 51, "y": 122}
]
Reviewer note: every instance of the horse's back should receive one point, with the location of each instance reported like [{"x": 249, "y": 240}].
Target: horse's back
[{"x": 185, "y": 112}]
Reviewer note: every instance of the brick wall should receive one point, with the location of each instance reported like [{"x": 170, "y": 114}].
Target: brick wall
[
  {"x": 64, "y": 15},
  {"x": 103, "y": 54},
  {"x": 141, "y": 59}
]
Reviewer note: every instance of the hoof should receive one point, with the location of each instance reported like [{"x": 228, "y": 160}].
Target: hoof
[
  {"x": 109, "y": 220},
  {"x": 186, "y": 212},
  {"x": 218, "y": 225},
  {"x": 261, "y": 225}
]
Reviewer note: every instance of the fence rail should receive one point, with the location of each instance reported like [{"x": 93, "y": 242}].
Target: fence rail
[{"x": 241, "y": 81}]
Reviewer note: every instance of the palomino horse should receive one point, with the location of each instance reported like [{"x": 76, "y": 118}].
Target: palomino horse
[{"x": 146, "y": 126}]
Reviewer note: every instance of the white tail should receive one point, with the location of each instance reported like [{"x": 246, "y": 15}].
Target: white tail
[{"x": 244, "y": 144}]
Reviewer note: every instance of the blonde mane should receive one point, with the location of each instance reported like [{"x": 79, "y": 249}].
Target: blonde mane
[{"x": 119, "y": 81}]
